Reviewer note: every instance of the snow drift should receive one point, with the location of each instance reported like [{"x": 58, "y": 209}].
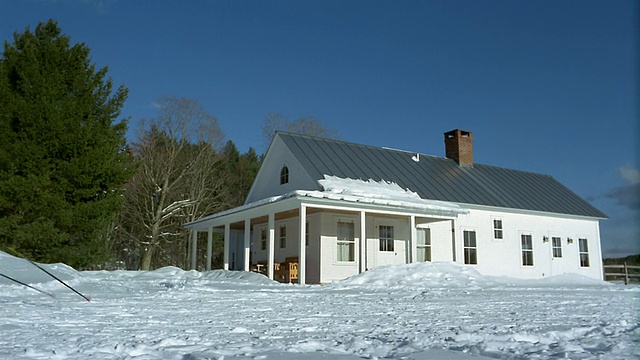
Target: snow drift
[{"x": 415, "y": 311}]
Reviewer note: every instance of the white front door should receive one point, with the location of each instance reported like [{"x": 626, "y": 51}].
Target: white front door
[{"x": 390, "y": 251}]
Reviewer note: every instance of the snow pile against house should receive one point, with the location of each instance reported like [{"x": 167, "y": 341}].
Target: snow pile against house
[
  {"x": 379, "y": 193},
  {"x": 425, "y": 275},
  {"x": 171, "y": 275},
  {"x": 441, "y": 275}
]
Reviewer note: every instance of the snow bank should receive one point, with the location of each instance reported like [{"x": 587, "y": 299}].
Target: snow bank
[
  {"x": 170, "y": 313},
  {"x": 558, "y": 281},
  {"x": 23, "y": 270},
  {"x": 174, "y": 274},
  {"x": 453, "y": 275},
  {"x": 419, "y": 275}
]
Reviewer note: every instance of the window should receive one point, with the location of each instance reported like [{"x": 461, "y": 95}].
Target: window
[
  {"x": 283, "y": 237},
  {"x": 284, "y": 175},
  {"x": 497, "y": 229},
  {"x": 556, "y": 245},
  {"x": 346, "y": 241},
  {"x": 423, "y": 245},
  {"x": 306, "y": 234},
  {"x": 527, "y": 250},
  {"x": 263, "y": 239},
  {"x": 386, "y": 237},
  {"x": 584, "y": 252},
  {"x": 470, "y": 249}
]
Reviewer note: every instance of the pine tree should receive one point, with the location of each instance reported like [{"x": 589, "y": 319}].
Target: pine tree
[
  {"x": 239, "y": 171},
  {"x": 62, "y": 158}
]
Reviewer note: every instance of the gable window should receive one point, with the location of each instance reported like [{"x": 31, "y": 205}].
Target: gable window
[
  {"x": 584, "y": 252},
  {"x": 263, "y": 239},
  {"x": 284, "y": 175},
  {"x": 497, "y": 229},
  {"x": 527, "y": 249},
  {"x": 346, "y": 241},
  {"x": 386, "y": 238},
  {"x": 283, "y": 237},
  {"x": 556, "y": 245},
  {"x": 470, "y": 248},
  {"x": 423, "y": 244}
]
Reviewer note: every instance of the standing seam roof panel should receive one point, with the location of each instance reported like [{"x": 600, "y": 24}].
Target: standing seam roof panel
[{"x": 438, "y": 178}]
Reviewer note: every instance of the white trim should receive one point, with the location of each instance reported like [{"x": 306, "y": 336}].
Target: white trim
[
  {"x": 363, "y": 241},
  {"x": 194, "y": 248},
  {"x": 526, "y": 212},
  {"x": 413, "y": 237},
  {"x": 209, "y": 247},
  {"x": 271, "y": 244},
  {"x": 294, "y": 200},
  {"x": 247, "y": 244},
  {"x": 302, "y": 249},
  {"x": 227, "y": 236}
]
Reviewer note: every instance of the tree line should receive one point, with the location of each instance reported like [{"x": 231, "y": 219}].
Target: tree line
[{"x": 74, "y": 189}]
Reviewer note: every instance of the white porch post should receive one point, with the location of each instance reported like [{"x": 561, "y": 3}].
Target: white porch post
[
  {"x": 209, "y": 247},
  {"x": 363, "y": 241},
  {"x": 194, "y": 248},
  {"x": 412, "y": 240},
  {"x": 271, "y": 246},
  {"x": 302, "y": 249},
  {"x": 247, "y": 243},
  {"x": 227, "y": 235},
  {"x": 453, "y": 239}
]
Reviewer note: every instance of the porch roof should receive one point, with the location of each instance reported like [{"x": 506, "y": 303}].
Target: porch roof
[{"x": 332, "y": 200}]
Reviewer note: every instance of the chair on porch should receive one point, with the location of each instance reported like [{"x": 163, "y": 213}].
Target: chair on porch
[
  {"x": 260, "y": 268},
  {"x": 287, "y": 271}
]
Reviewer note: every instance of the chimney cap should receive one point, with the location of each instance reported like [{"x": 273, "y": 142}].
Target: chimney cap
[
  {"x": 459, "y": 146},
  {"x": 459, "y": 132}
]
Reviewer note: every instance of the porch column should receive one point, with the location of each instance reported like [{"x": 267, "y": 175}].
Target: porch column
[
  {"x": 453, "y": 239},
  {"x": 271, "y": 246},
  {"x": 302, "y": 246},
  {"x": 209, "y": 247},
  {"x": 227, "y": 235},
  {"x": 413, "y": 236},
  {"x": 194, "y": 248},
  {"x": 363, "y": 241},
  {"x": 247, "y": 243}
]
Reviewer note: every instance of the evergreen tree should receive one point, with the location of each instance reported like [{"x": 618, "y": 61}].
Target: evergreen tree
[
  {"x": 62, "y": 158},
  {"x": 239, "y": 171}
]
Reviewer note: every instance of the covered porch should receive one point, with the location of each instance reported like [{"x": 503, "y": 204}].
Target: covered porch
[{"x": 298, "y": 208}]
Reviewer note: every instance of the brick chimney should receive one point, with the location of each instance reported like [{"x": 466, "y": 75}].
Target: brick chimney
[{"x": 458, "y": 145}]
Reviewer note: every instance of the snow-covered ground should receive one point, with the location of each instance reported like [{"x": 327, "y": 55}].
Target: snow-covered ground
[{"x": 415, "y": 311}]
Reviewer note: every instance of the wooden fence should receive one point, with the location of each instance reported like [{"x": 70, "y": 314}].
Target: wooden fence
[{"x": 627, "y": 273}]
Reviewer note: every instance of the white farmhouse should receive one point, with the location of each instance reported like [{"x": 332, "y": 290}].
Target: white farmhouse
[{"x": 322, "y": 210}]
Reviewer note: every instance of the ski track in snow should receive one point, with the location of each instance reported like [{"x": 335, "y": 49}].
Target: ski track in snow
[{"x": 175, "y": 314}]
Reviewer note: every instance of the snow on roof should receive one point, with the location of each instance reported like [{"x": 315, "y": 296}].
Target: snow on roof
[{"x": 383, "y": 193}]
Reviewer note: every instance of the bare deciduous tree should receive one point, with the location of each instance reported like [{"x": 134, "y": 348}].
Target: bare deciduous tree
[{"x": 176, "y": 182}]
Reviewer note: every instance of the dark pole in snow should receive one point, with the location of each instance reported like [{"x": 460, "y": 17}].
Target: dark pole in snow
[
  {"x": 60, "y": 281},
  {"x": 27, "y": 285}
]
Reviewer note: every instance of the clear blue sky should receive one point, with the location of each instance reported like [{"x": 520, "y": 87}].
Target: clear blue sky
[{"x": 545, "y": 86}]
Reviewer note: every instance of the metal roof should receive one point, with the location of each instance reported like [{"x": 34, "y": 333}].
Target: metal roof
[{"x": 437, "y": 178}]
